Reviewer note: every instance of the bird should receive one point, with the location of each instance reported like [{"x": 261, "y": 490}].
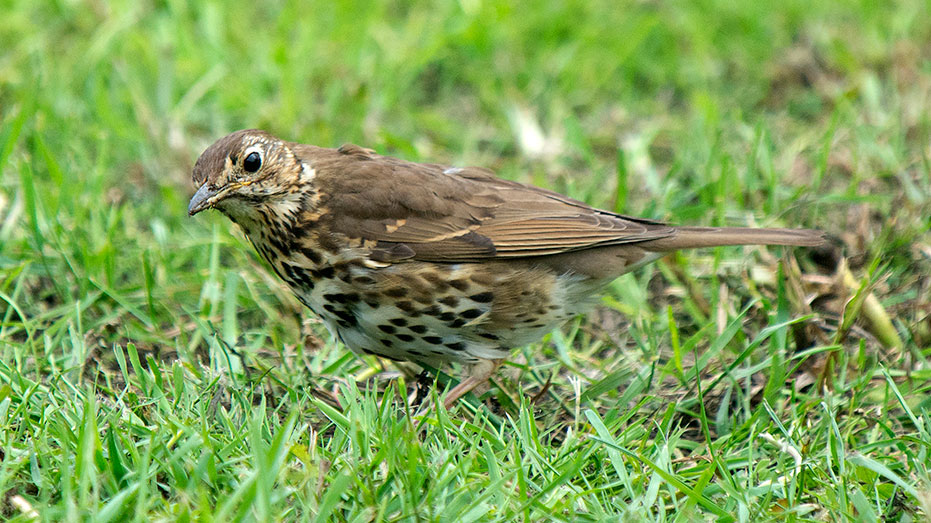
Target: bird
[{"x": 429, "y": 263}]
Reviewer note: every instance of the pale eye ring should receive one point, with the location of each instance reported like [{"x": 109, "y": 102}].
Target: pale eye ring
[{"x": 252, "y": 162}]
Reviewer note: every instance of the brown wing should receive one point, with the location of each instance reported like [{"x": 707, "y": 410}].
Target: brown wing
[{"x": 432, "y": 213}]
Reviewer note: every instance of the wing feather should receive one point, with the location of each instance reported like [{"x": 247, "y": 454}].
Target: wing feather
[{"x": 457, "y": 215}]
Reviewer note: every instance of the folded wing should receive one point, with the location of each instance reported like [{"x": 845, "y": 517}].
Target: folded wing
[{"x": 431, "y": 213}]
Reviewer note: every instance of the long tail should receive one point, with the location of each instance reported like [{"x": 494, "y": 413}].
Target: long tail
[{"x": 694, "y": 237}]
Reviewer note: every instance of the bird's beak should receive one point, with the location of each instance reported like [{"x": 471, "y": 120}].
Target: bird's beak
[{"x": 204, "y": 198}]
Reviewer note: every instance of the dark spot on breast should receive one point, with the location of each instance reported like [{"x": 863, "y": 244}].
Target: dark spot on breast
[
  {"x": 425, "y": 299},
  {"x": 306, "y": 280},
  {"x": 436, "y": 281},
  {"x": 406, "y": 305},
  {"x": 483, "y": 278},
  {"x": 297, "y": 276},
  {"x": 489, "y": 336},
  {"x": 395, "y": 292},
  {"x": 372, "y": 299},
  {"x": 419, "y": 329},
  {"x": 415, "y": 352},
  {"x": 350, "y": 297},
  {"x": 450, "y": 301},
  {"x": 447, "y": 316},
  {"x": 369, "y": 351},
  {"x": 280, "y": 246},
  {"x": 323, "y": 274},
  {"x": 400, "y": 322},
  {"x": 266, "y": 252},
  {"x": 364, "y": 280},
  {"x": 312, "y": 255},
  {"x": 456, "y": 346},
  {"x": 459, "y": 285},
  {"x": 328, "y": 242},
  {"x": 348, "y": 317},
  {"x": 436, "y": 340},
  {"x": 330, "y": 307},
  {"x": 404, "y": 337},
  {"x": 470, "y": 314},
  {"x": 455, "y": 324},
  {"x": 433, "y": 310},
  {"x": 387, "y": 329},
  {"x": 482, "y": 297},
  {"x": 537, "y": 326},
  {"x": 386, "y": 342}
]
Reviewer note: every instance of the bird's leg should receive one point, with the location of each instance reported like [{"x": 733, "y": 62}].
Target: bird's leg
[
  {"x": 421, "y": 388},
  {"x": 478, "y": 375}
]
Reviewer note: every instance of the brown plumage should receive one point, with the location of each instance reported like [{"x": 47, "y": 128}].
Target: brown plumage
[{"x": 429, "y": 263}]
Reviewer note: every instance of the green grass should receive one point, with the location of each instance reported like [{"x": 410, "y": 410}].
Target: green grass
[{"x": 152, "y": 369}]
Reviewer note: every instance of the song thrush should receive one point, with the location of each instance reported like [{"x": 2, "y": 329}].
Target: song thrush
[{"x": 428, "y": 263}]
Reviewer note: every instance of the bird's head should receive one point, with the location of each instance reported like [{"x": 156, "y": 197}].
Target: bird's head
[{"x": 245, "y": 170}]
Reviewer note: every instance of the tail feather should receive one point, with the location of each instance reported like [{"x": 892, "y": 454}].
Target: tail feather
[{"x": 695, "y": 237}]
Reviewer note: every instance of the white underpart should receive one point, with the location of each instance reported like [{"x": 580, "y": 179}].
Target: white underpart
[
  {"x": 367, "y": 335},
  {"x": 353, "y": 338},
  {"x": 485, "y": 352},
  {"x": 573, "y": 289},
  {"x": 577, "y": 290}
]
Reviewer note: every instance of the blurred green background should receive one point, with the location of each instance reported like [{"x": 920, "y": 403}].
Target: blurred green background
[{"x": 714, "y": 112}]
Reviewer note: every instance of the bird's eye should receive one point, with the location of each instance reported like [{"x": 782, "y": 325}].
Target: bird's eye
[{"x": 252, "y": 163}]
